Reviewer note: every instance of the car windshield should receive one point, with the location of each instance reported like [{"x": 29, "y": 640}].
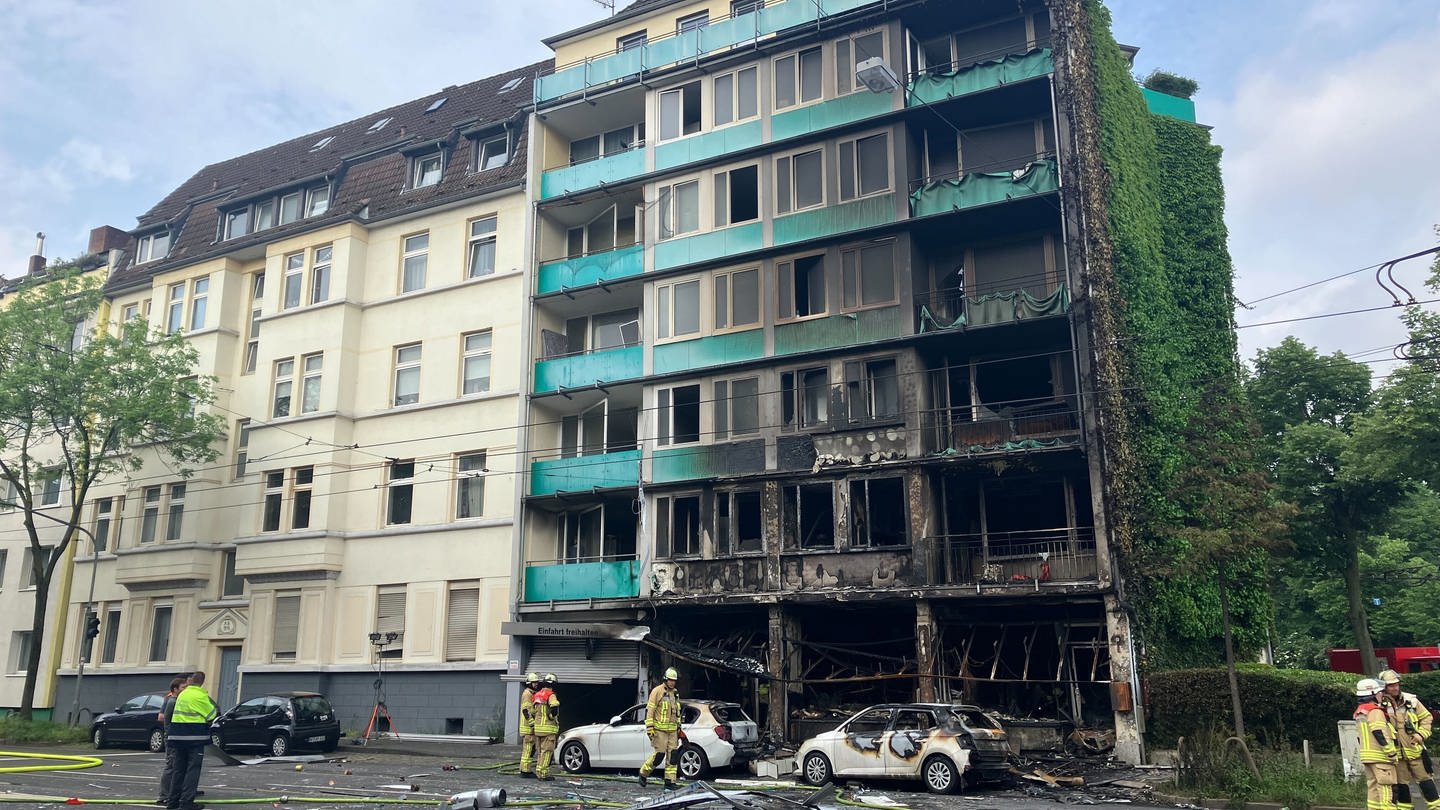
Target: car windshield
[
  {"x": 728, "y": 713},
  {"x": 311, "y": 707}
]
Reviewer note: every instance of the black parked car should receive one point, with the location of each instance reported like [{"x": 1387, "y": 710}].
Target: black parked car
[
  {"x": 134, "y": 722},
  {"x": 279, "y": 722}
]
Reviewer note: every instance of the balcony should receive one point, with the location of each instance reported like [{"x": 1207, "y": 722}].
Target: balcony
[
  {"x": 700, "y": 461},
  {"x": 933, "y": 87},
  {"x": 595, "y": 268},
  {"x": 715, "y": 350},
  {"x": 182, "y": 564},
  {"x": 846, "y": 329},
  {"x": 711, "y": 245},
  {"x": 689, "y": 46},
  {"x": 289, "y": 554},
  {"x": 969, "y": 431},
  {"x": 707, "y": 145},
  {"x": 592, "y": 174},
  {"x": 570, "y": 581},
  {"x": 827, "y": 114},
  {"x": 945, "y": 310},
  {"x": 585, "y": 473},
  {"x": 836, "y": 219},
  {"x": 1017, "y": 560},
  {"x": 984, "y": 188},
  {"x": 1172, "y": 106},
  {"x": 589, "y": 368}
]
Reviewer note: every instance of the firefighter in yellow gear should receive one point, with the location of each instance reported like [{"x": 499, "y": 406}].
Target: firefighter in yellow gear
[
  {"x": 662, "y": 726},
  {"x": 527, "y": 726},
  {"x": 1378, "y": 752},
  {"x": 1411, "y": 723},
  {"x": 545, "y": 714}
]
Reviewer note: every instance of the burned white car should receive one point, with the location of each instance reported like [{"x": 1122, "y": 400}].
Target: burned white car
[{"x": 940, "y": 744}]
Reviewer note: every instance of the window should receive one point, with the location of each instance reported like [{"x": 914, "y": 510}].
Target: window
[
  {"x": 493, "y": 153},
  {"x": 399, "y": 491},
  {"x": 737, "y": 299},
  {"x": 737, "y": 408},
  {"x": 601, "y": 428},
  {"x": 175, "y": 310},
  {"x": 677, "y": 309},
  {"x": 264, "y": 215},
  {"x": 303, "y": 483},
  {"x": 242, "y": 447},
  {"x": 129, "y": 313},
  {"x": 50, "y": 488},
  {"x": 482, "y": 247},
  {"x": 4, "y": 557},
  {"x": 799, "y": 181},
  {"x": 317, "y": 201},
  {"x": 475, "y": 365},
  {"x": 252, "y": 340},
  {"x": 284, "y": 387},
  {"x": 802, "y": 286},
  {"x": 679, "y": 414},
  {"x": 267, "y": 212},
  {"x": 274, "y": 501},
  {"x": 805, "y": 398},
  {"x": 680, "y": 111},
  {"x": 677, "y": 528},
  {"x": 630, "y": 42},
  {"x": 290, "y": 207},
  {"x": 413, "y": 262},
  {"x": 320, "y": 275},
  {"x": 231, "y": 584},
  {"x": 877, "y": 512},
  {"x": 237, "y": 223},
  {"x": 738, "y": 7},
  {"x": 293, "y": 281},
  {"x": 287, "y": 627},
  {"x": 177, "y": 512},
  {"x": 390, "y": 618},
  {"x": 737, "y": 96},
  {"x": 312, "y": 365},
  {"x": 426, "y": 170},
  {"x": 104, "y": 514},
  {"x": 407, "y": 374},
  {"x": 462, "y": 621},
  {"x": 679, "y": 209},
  {"x": 379, "y": 124},
  {"x": 872, "y": 389},
  {"x": 692, "y": 22},
  {"x": 864, "y": 166},
  {"x": 27, "y": 561},
  {"x": 199, "y": 297},
  {"x": 470, "y": 486},
  {"x": 611, "y": 143},
  {"x": 850, "y": 52},
  {"x": 798, "y": 78},
  {"x": 12, "y": 496},
  {"x": 20, "y": 650},
  {"x": 152, "y": 247},
  {"x": 160, "y": 633},
  {"x": 737, "y": 196},
  {"x": 440, "y": 102},
  {"x": 322, "y": 143},
  {"x": 738, "y": 526},
  {"x": 868, "y": 275},
  {"x": 112, "y": 636},
  {"x": 149, "y": 514},
  {"x": 807, "y": 516}
]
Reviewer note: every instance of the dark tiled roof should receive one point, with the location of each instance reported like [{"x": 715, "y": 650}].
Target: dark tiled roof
[
  {"x": 371, "y": 167},
  {"x": 635, "y": 9}
]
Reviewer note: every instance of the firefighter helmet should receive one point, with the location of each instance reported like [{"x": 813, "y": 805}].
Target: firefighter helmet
[
  {"x": 531, "y": 677},
  {"x": 1388, "y": 677},
  {"x": 1368, "y": 687},
  {"x": 671, "y": 674},
  {"x": 550, "y": 678}
]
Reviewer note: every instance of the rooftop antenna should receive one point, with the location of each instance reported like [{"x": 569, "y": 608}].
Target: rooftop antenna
[{"x": 610, "y": 4}]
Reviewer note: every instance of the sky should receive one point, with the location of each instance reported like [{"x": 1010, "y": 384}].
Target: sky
[{"x": 1328, "y": 112}]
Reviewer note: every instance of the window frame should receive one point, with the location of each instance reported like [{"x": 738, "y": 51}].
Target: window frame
[
  {"x": 175, "y": 307},
  {"x": 320, "y": 273},
  {"x": 797, "y": 542},
  {"x": 681, "y": 91},
  {"x": 793, "y": 400},
  {"x": 110, "y": 635},
  {"x": 797, "y": 74},
  {"x": 155, "y": 610},
  {"x": 728, "y": 200},
  {"x": 399, "y": 486},
  {"x": 787, "y": 185},
  {"x": 467, "y": 354},
  {"x": 419, "y": 171},
  {"x": 688, "y": 22},
  {"x": 174, "y": 511},
  {"x": 734, "y": 114},
  {"x": 484, "y": 156},
  {"x": 850, "y": 84},
  {"x": 667, "y": 514},
  {"x": 150, "y": 511},
  {"x": 104, "y": 519},
  {"x": 401, "y": 366},
  {"x": 665, "y": 309},
  {"x": 298, "y": 604},
  {"x": 860, "y": 380},
  {"x": 726, "y": 298},
  {"x": 631, "y": 41},
  {"x": 474, "y": 241},
  {"x": 468, "y": 479},
  {"x": 309, "y": 374},
  {"x": 272, "y": 501},
  {"x": 852, "y": 276},
  {"x": 665, "y": 412},
  {"x": 282, "y": 375},
  {"x": 407, "y": 253},
  {"x": 726, "y": 540},
  {"x": 723, "y": 410},
  {"x": 786, "y": 288},
  {"x": 851, "y": 169},
  {"x": 146, "y": 250},
  {"x": 252, "y": 329},
  {"x": 857, "y": 524}
]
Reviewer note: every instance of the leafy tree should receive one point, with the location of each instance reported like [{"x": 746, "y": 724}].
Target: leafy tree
[
  {"x": 1307, "y": 406},
  {"x": 80, "y": 404}
]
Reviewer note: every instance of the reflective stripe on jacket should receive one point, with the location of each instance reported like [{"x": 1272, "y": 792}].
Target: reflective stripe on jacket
[
  {"x": 193, "y": 712},
  {"x": 527, "y": 697},
  {"x": 1369, "y": 717},
  {"x": 545, "y": 712},
  {"x": 662, "y": 710},
  {"x": 1411, "y": 719}
]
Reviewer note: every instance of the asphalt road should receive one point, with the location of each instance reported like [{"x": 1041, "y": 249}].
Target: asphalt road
[{"x": 389, "y": 774}]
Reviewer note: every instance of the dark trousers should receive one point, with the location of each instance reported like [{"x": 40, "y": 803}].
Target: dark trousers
[
  {"x": 185, "y": 780},
  {"x": 167, "y": 776}
]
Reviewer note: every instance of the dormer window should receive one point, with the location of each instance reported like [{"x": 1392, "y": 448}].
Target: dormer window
[
  {"x": 493, "y": 153},
  {"x": 237, "y": 223},
  {"x": 317, "y": 201},
  {"x": 426, "y": 170},
  {"x": 152, "y": 247},
  {"x": 266, "y": 212}
]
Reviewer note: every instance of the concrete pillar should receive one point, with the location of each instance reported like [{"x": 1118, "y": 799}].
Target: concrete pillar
[
  {"x": 782, "y": 662},
  {"x": 926, "y": 656},
  {"x": 1124, "y": 685}
]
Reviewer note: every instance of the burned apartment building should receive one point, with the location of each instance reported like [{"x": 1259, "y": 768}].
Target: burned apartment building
[{"x": 808, "y": 408}]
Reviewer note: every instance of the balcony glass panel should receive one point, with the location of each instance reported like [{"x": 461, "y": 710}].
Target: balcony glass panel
[
  {"x": 984, "y": 188},
  {"x": 589, "y": 580},
  {"x": 609, "y": 169},
  {"x": 583, "y": 370},
  {"x": 930, "y": 88},
  {"x": 708, "y": 351},
  {"x": 585, "y": 270},
  {"x": 582, "y": 474}
]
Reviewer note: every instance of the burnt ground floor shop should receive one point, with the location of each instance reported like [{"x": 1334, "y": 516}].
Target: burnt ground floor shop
[{"x": 1047, "y": 667}]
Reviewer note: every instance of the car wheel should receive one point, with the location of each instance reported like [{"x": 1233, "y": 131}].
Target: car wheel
[
  {"x": 815, "y": 769},
  {"x": 216, "y": 740},
  {"x": 940, "y": 775},
  {"x": 573, "y": 757},
  {"x": 693, "y": 764},
  {"x": 157, "y": 740},
  {"x": 97, "y": 736},
  {"x": 279, "y": 745}
]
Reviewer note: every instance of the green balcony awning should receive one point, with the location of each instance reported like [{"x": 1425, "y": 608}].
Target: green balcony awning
[
  {"x": 1000, "y": 307},
  {"x": 933, "y": 87},
  {"x": 983, "y": 188}
]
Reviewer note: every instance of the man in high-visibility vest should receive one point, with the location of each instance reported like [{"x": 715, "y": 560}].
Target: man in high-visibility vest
[
  {"x": 527, "y": 726},
  {"x": 545, "y": 714},
  {"x": 187, "y": 734},
  {"x": 1411, "y": 722},
  {"x": 1378, "y": 752},
  {"x": 662, "y": 726}
]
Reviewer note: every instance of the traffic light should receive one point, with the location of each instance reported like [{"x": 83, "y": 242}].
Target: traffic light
[{"x": 92, "y": 626}]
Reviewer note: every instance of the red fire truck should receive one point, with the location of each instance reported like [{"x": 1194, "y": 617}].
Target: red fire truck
[{"x": 1400, "y": 659}]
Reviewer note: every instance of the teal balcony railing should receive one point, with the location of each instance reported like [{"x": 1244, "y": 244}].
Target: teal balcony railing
[
  {"x": 585, "y": 473},
  {"x": 931, "y": 87},
  {"x": 584, "y": 370},
  {"x": 582, "y": 271},
  {"x": 719, "y": 35},
  {"x": 983, "y": 188},
  {"x": 1172, "y": 106},
  {"x": 561, "y": 582},
  {"x": 592, "y": 174}
]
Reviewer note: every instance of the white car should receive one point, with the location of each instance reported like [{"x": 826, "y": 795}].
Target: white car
[
  {"x": 718, "y": 735},
  {"x": 938, "y": 743}
]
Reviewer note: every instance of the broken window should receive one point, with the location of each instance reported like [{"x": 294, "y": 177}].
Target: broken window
[
  {"x": 737, "y": 299},
  {"x": 800, "y": 181},
  {"x": 864, "y": 166},
  {"x": 807, "y": 516},
  {"x": 677, "y": 531},
  {"x": 877, "y": 513},
  {"x": 867, "y": 275},
  {"x": 737, "y": 196},
  {"x": 679, "y": 410},
  {"x": 679, "y": 209},
  {"x": 677, "y": 309},
  {"x": 607, "y": 330},
  {"x": 872, "y": 389},
  {"x": 738, "y": 523},
  {"x": 680, "y": 111},
  {"x": 805, "y": 397},
  {"x": 737, "y": 408},
  {"x": 802, "y": 286}
]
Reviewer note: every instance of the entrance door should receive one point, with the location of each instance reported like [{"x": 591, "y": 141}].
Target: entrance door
[{"x": 229, "y": 692}]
